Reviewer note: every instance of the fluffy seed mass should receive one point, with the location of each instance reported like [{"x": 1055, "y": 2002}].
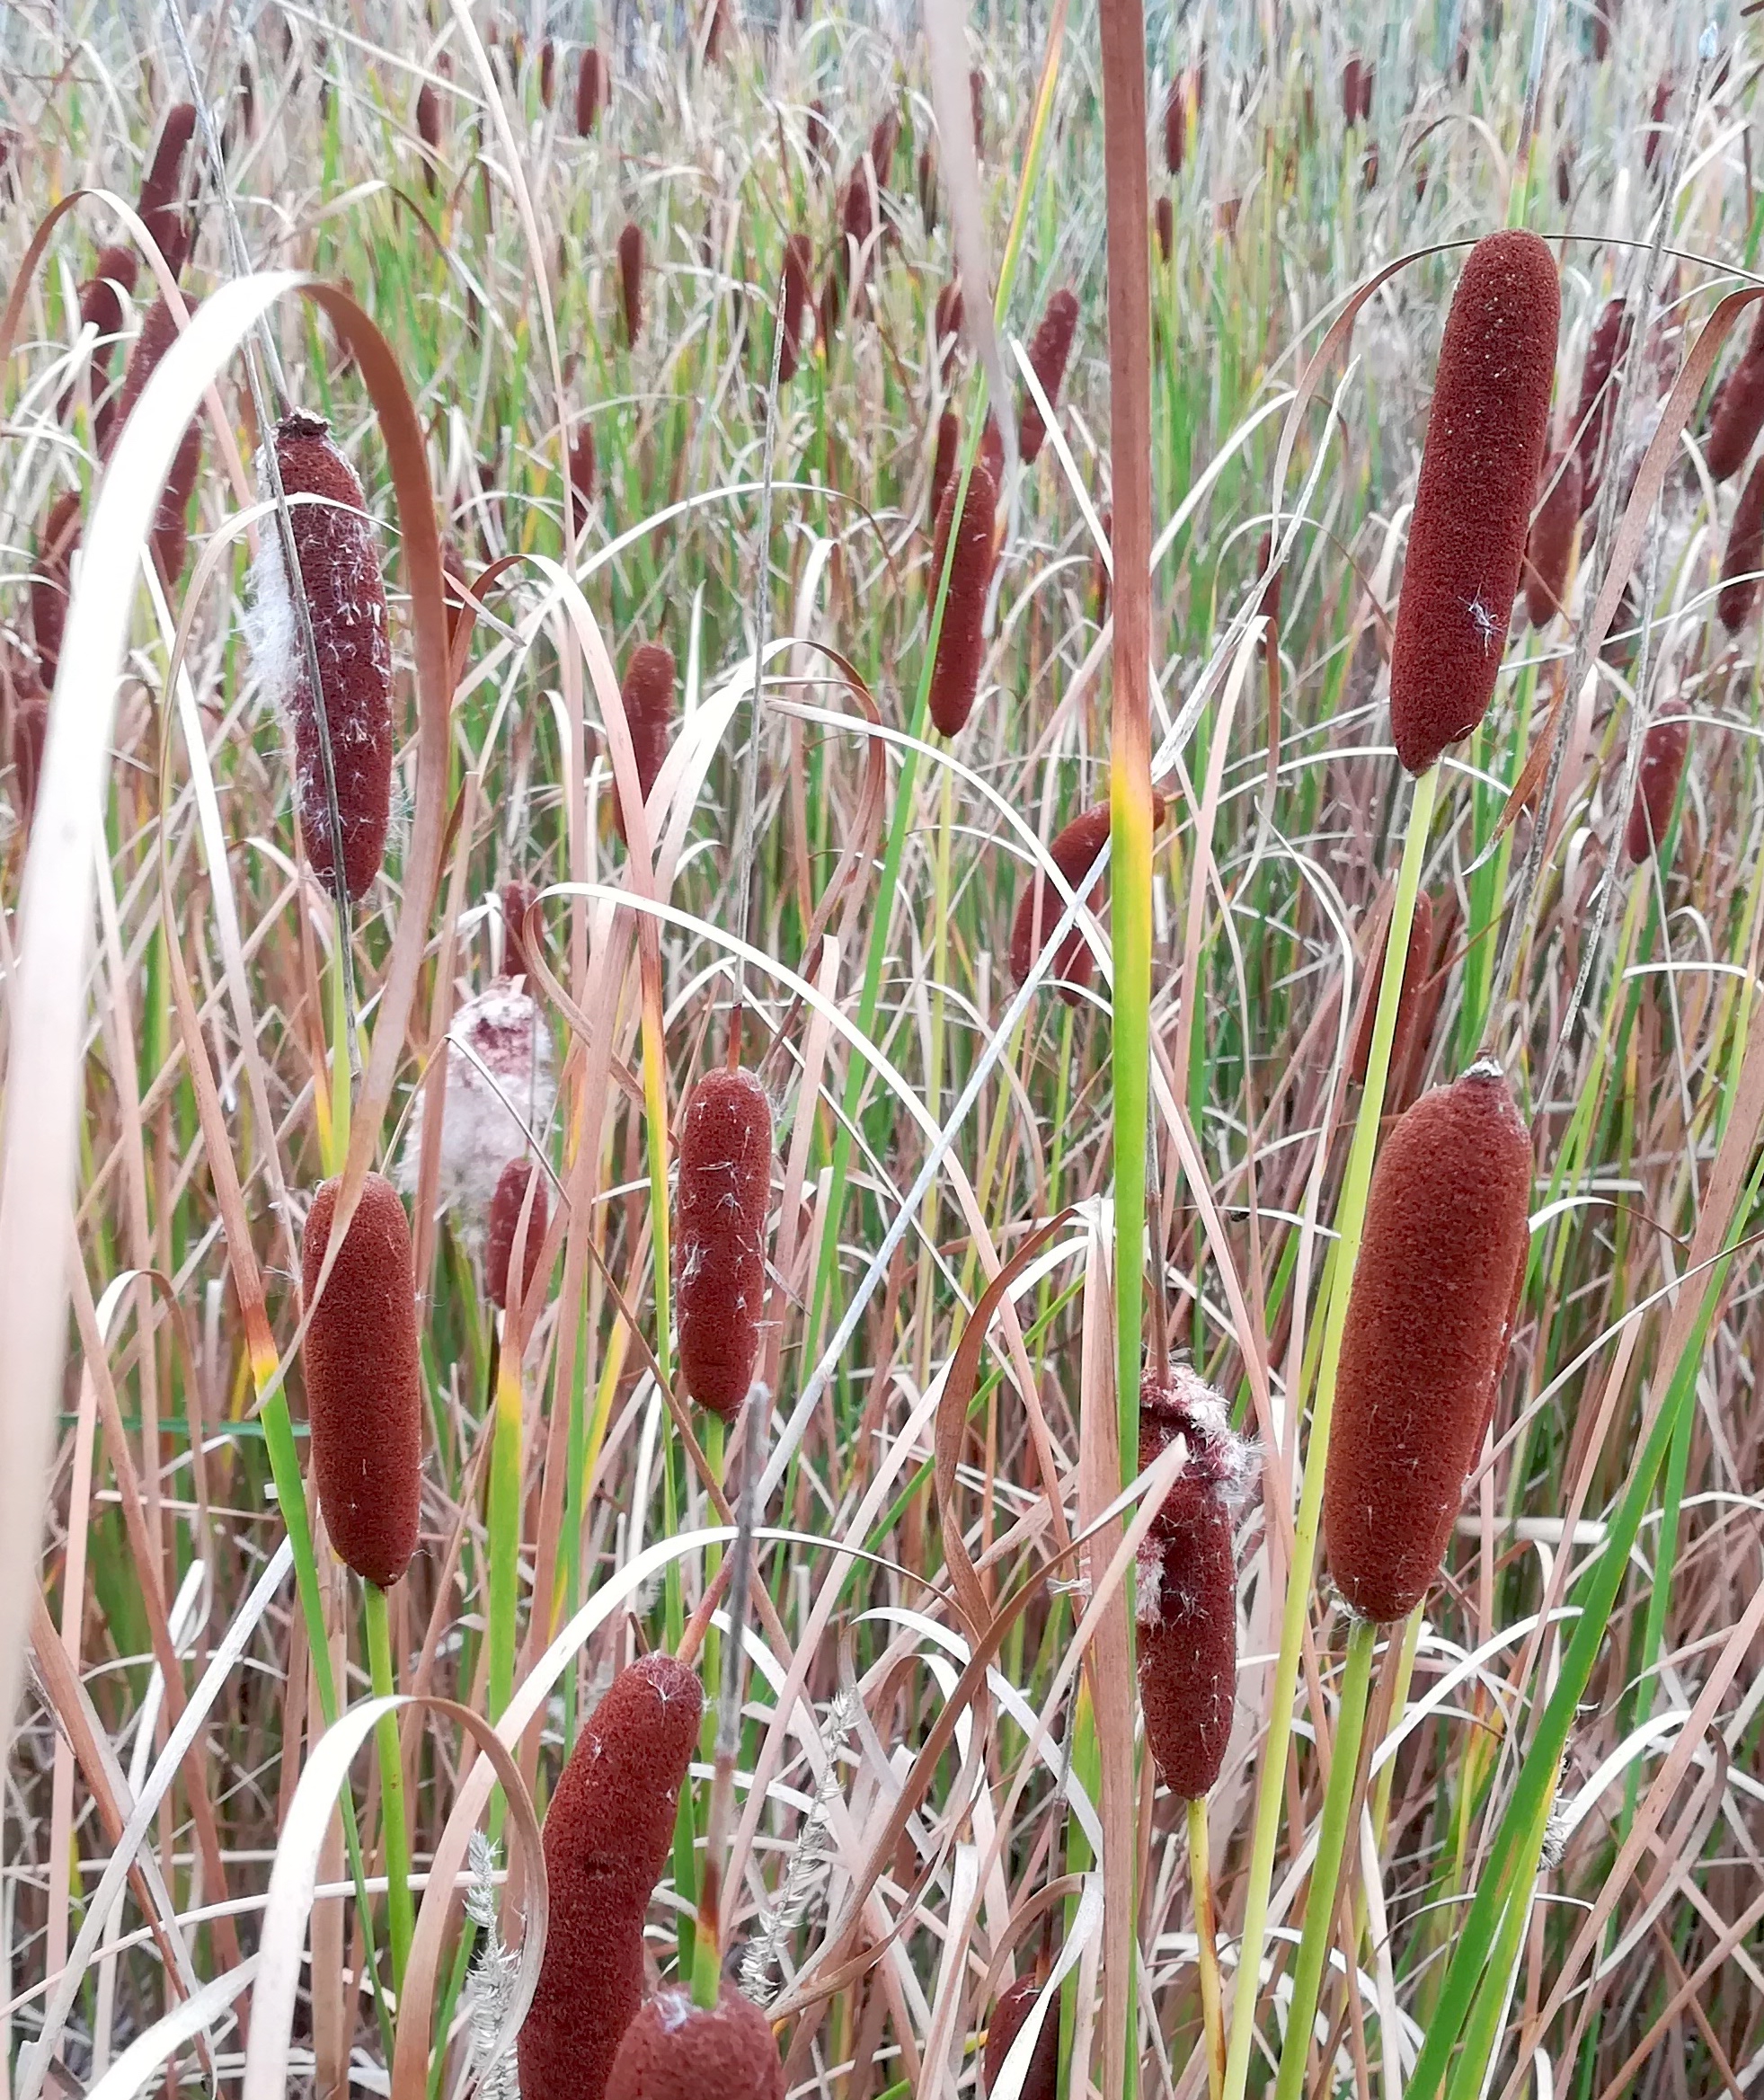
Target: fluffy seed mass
[
  {"x": 1428, "y": 1320},
  {"x": 498, "y": 1078},
  {"x": 955, "y": 673},
  {"x": 1657, "y": 785},
  {"x": 1009, "y": 2015},
  {"x": 676, "y": 2050},
  {"x": 1049, "y": 349},
  {"x": 725, "y": 1184},
  {"x": 364, "y": 1380},
  {"x": 606, "y": 1839},
  {"x": 648, "y": 693},
  {"x": 1473, "y": 506}
]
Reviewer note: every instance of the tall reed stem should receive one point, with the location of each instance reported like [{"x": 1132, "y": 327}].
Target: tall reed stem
[
  {"x": 1206, "y": 1938},
  {"x": 394, "y": 1812}
]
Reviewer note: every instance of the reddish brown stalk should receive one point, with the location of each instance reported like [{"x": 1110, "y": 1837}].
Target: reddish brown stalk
[
  {"x": 582, "y": 475},
  {"x": 1415, "y": 971}
]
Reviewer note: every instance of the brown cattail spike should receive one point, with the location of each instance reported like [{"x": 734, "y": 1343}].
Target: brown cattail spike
[
  {"x": 590, "y": 91},
  {"x": 1075, "y": 851},
  {"x": 582, "y": 476},
  {"x": 31, "y": 725},
  {"x": 1433, "y": 1295},
  {"x": 1598, "y": 382},
  {"x": 1176, "y": 125},
  {"x": 517, "y": 901},
  {"x": 547, "y": 72},
  {"x": 943, "y": 460},
  {"x": 675, "y": 2050},
  {"x": 955, "y": 672},
  {"x": 1041, "y": 2082},
  {"x": 1049, "y": 349},
  {"x": 1745, "y": 555},
  {"x": 158, "y": 332},
  {"x": 1473, "y": 506},
  {"x": 429, "y": 130},
  {"x": 1552, "y": 542},
  {"x": 725, "y": 1182},
  {"x": 798, "y": 256},
  {"x": 1408, "y": 1000},
  {"x": 510, "y": 1216},
  {"x": 51, "y": 581},
  {"x": 1164, "y": 221},
  {"x": 606, "y": 1839},
  {"x": 648, "y": 694},
  {"x": 346, "y": 598},
  {"x": 1736, "y": 414},
  {"x": 163, "y": 181},
  {"x": 364, "y": 1380},
  {"x": 949, "y": 315},
  {"x": 631, "y": 280},
  {"x": 1656, "y": 786},
  {"x": 100, "y": 310}
]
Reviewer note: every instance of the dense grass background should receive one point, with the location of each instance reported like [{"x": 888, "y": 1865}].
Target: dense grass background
[{"x": 905, "y": 1846}]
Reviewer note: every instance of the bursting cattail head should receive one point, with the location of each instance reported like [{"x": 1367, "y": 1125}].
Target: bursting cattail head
[
  {"x": 674, "y": 2050},
  {"x": 1408, "y": 999},
  {"x": 631, "y": 280},
  {"x": 1041, "y": 2082},
  {"x": 1605, "y": 352},
  {"x": 1186, "y": 1597},
  {"x": 163, "y": 183},
  {"x": 51, "y": 581},
  {"x": 1473, "y": 505},
  {"x": 1745, "y": 555},
  {"x": 170, "y": 535},
  {"x": 499, "y": 1087},
  {"x": 1164, "y": 224},
  {"x": 1736, "y": 414},
  {"x": 339, "y": 575},
  {"x": 1657, "y": 785},
  {"x": 512, "y": 1215},
  {"x": 955, "y": 673},
  {"x": 517, "y": 901},
  {"x": 607, "y": 1834},
  {"x": 1049, "y": 349},
  {"x": 1429, "y": 1315},
  {"x": 1552, "y": 542},
  {"x": 590, "y": 91},
  {"x": 364, "y": 1380},
  {"x": 943, "y": 460},
  {"x": 648, "y": 694},
  {"x": 725, "y": 1185},
  {"x": 582, "y": 475},
  {"x": 1075, "y": 851},
  {"x": 798, "y": 257}
]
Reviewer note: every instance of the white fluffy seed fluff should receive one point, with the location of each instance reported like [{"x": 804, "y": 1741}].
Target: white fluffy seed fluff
[
  {"x": 271, "y": 631},
  {"x": 499, "y": 1078}
]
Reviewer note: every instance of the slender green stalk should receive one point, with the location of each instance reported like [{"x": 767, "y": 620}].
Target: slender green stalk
[
  {"x": 1206, "y": 1938},
  {"x": 394, "y": 1813},
  {"x": 504, "y": 1525}
]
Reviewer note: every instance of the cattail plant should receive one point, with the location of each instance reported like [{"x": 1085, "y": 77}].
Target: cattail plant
[
  {"x": 1605, "y": 352},
  {"x": 955, "y": 671},
  {"x": 1164, "y": 223},
  {"x": 497, "y": 1098},
  {"x": 606, "y": 1839},
  {"x": 516, "y": 902},
  {"x": 1745, "y": 555},
  {"x": 1663, "y": 750},
  {"x": 547, "y": 73},
  {"x": 1656, "y": 124},
  {"x": 1099, "y": 568},
  {"x": 340, "y": 578},
  {"x": 1041, "y": 2082},
  {"x": 101, "y": 296},
  {"x": 798, "y": 258},
  {"x": 1409, "y": 999},
  {"x": 1429, "y": 1319},
  {"x": 1176, "y": 125},
  {"x": 30, "y": 726},
  {"x": 631, "y": 280},
  {"x": 50, "y": 581},
  {"x": 725, "y": 1183},
  {"x": 944, "y": 459},
  {"x": 1186, "y": 1594},
  {"x": 1351, "y": 89},
  {"x": 582, "y": 477},
  {"x": 163, "y": 181},
  {"x": 171, "y": 533},
  {"x": 590, "y": 91},
  {"x": 1049, "y": 349},
  {"x": 950, "y": 314},
  {"x": 429, "y": 130},
  {"x": 832, "y": 304},
  {"x": 927, "y": 187},
  {"x": 363, "y": 1370},
  {"x": 1736, "y": 412},
  {"x": 648, "y": 694},
  {"x": 1075, "y": 851},
  {"x": 1472, "y": 513},
  {"x": 884, "y": 143},
  {"x": 977, "y": 109},
  {"x": 675, "y": 2050},
  {"x": 512, "y": 1217},
  {"x": 1552, "y": 541}
]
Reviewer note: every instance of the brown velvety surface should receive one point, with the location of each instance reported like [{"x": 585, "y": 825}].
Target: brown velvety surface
[
  {"x": 674, "y": 2051},
  {"x": 725, "y": 1181},
  {"x": 955, "y": 676}
]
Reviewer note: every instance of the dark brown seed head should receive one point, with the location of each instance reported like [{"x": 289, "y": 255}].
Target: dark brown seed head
[
  {"x": 1598, "y": 384},
  {"x": 832, "y": 304},
  {"x": 547, "y": 72},
  {"x": 1473, "y": 506},
  {"x": 819, "y": 130},
  {"x": 1736, "y": 414},
  {"x": 162, "y": 186},
  {"x": 333, "y": 541},
  {"x": 955, "y": 673},
  {"x": 1657, "y": 785},
  {"x": 1176, "y": 125},
  {"x": 648, "y": 694},
  {"x": 1008, "y": 2016},
  {"x": 950, "y": 314},
  {"x": 1351, "y": 90},
  {"x": 1164, "y": 219},
  {"x": 429, "y": 130},
  {"x": 606, "y": 1839},
  {"x": 1656, "y": 126},
  {"x": 631, "y": 280},
  {"x": 1075, "y": 851},
  {"x": 511, "y": 1216},
  {"x": 798, "y": 256},
  {"x": 517, "y": 900},
  {"x": 1564, "y": 176},
  {"x": 1433, "y": 1295},
  {"x": 364, "y": 1380},
  {"x": 1408, "y": 1000},
  {"x": 158, "y": 332},
  {"x": 725, "y": 1182},
  {"x": 1744, "y": 556},
  {"x": 590, "y": 91},
  {"x": 1552, "y": 542},
  {"x": 1049, "y": 349},
  {"x": 581, "y": 475},
  {"x": 885, "y": 140},
  {"x": 927, "y": 187},
  {"x": 51, "y": 581},
  {"x": 976, "y": 110},
  {"x": 675, "y": 2050},
  {"x": 101, "y": 309},
  {"x": 31, "y": 725},
  {"x": 942, "y": 464}
]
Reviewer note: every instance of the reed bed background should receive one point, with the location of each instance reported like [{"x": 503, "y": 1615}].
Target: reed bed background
[{"x": 570, "y": 401}]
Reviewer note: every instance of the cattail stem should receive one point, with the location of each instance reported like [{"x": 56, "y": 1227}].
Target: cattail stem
[
  {"x": 334, "y": 1134},
  {"x": 504, "y": 1524},
  {"x": 1349, "y": 1222},
  {"x": 1206, "y": 1927},
  {"x": 1325, "y": 1873},
  {"x": 394, "y": 1814}
]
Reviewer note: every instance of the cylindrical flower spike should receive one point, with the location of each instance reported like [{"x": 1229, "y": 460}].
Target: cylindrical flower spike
[
  {"x": 606, "y": 1839},
  {"x": 725, "y": 1185},
  {"x": 1736, "y": 414},
  {"x": 1663, "y": 752},
  {"x": 429, "y": 130},
  {"x": 943, "y": 460},
  {"x": 590, "y": 91},
  {"x": 631, "y": 280},
  {"x": 1176, "y": 125},
  {"x": 1009, "y": 2015},
  {"x": 506, "y": 1208},
  {"x": 798, "y": 256},
  {"x": 163, "y": 181},
  {"x": 949, "y": 319},
  {"x": 364, "y": 1380},
  {"x": 1164, "y": 221},
  {"x": 1552, "y": 540},
  {"x": 582, "y": 476},
  {"x": 1473, "y": 506},
  {"x": 339, "y": 574},
  {"x": 1186, "y": 1597},
  {"x": 50, "y": 582},
  {"x": 1408, "y": 1007},
  {"x": 100, "y": 310},
  {"x": 675, "y": 2050},
  {"x": 158, "y": 332},
  {"x": 1605, "y": 352},
  {"x": 516, "y": 900},
  {"x": 1429, "y": 1315},
  {"x": 648, "y": 693},
  {"x": 1745, "y": 555},
  {"x": 1074, "y": 851},
  {"x": 1049, "y": 349},
  {"x": 955, "y": 673}
]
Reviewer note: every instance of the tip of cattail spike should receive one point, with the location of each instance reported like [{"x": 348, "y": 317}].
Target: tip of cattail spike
[
  {"x": 511, "y": 1216},
  {"x": 364, "y": 1380},
  {"x": 590, "y": 91},
  {"x": 1041, "y": 2082},
  {"x": 1186, "y": 1598},
  {"x": 955, "y": 672},
  {"x": 1552, "y": 542},
  {"x": 607, "y": 1834},
  {"x": 163, "y": 183},
  {"x": 724, "y": 1188},
  {"x": 517, "y": 901},
  {"x": 547, "y": 72},
  {"x": 798, "y": 259},
  {"x": 648, "y": 694},
  {"x": 1472, "y": 515},
  {"x": 582, "y": 476},
  {"x": 631, "y": 280},
  {"x": 339, "y": 575},
  {"x": 1745, "y": 555},
  {"x": 1662, "y": 759},
  {"x": 1408, "y": 999},
  {"x": 50, "y": 582},
  {"x": 1049, "y": 349},
  {"x": 1442, "y": 1262},
  {"x": 676, "y": 2050},
  {"x": 1075, "y": 851}
]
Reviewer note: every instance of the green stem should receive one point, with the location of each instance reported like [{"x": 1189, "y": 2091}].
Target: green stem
[
  {"x": 394, "y": 1812},
  {"x": 1206, "y": 1932},
  {"x": 504, "y": 1526}
]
